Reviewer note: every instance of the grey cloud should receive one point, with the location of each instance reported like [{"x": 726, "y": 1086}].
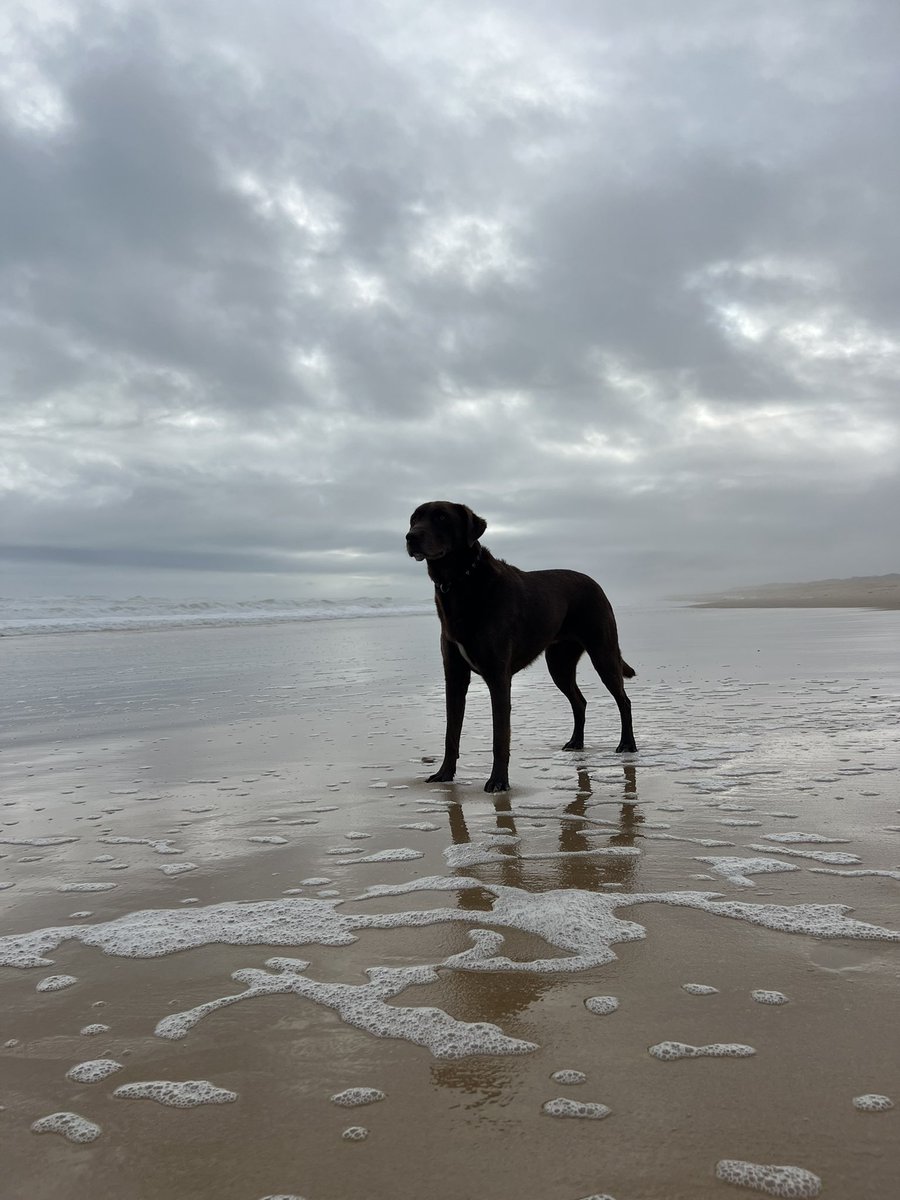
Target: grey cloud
[{"x": 625, "y": 280}]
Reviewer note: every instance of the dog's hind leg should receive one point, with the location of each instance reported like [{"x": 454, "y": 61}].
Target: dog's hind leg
[
  {"x": 562, "y": 659},
  {"x": 609, "y": 666}
]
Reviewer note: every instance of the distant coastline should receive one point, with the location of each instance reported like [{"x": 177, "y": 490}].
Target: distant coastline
[{"x": 866, "y": 591}]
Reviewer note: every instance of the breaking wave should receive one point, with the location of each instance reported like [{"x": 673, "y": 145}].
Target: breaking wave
[{"x": 79, "y": 614}]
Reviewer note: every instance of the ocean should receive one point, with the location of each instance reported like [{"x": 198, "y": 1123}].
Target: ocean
[{"x": 82, "y": 614}]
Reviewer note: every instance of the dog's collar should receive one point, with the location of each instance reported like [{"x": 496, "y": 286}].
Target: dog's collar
[{"x": 445, "y": 587}]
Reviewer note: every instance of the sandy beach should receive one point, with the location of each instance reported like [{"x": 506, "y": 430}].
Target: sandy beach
[
  {"x": 870, "y": 591},
  {"x": 219, "y": 847}
]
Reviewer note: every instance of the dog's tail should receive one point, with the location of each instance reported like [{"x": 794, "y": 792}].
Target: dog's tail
[{"x": 628, "y": 672}]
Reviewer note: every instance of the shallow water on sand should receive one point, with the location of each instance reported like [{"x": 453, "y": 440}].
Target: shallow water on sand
[{"x": 335, "y": 926}]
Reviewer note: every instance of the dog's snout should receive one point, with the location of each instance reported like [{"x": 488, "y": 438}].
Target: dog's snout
[{"x": 413, "y": 547}]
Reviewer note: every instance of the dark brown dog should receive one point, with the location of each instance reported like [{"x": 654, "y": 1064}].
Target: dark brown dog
[{"x": 496, "y": 619}]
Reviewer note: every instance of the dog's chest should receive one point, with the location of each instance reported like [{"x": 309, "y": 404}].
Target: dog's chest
[
  {"x": 458, "y": 630},
  {"x": 464, "y": 652}
]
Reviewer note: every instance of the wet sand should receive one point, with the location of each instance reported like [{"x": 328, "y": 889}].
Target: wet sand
[{"x": 311, "y": 738}]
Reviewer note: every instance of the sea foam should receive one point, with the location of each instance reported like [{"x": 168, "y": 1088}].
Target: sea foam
[
  {"x": 364, "y": 1006},
  {"x": 176, "y": 1094},
  {"x": 353, "y": 1097},
  {"x": 872, "y": 1103},
  {"x": 774, "y": 1180},
  {"x": 670, "y": 1051},
  {"x": 563, "y": 1107},
  {"x": 56, "y": 983},
  {"x": 94, "y": 1071},
  {"x": 70, "y": 1125}
]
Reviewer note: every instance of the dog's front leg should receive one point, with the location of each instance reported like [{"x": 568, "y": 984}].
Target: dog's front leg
[
  {"x": 457, "y": 674},
  {"x": 499, "y": 686}
]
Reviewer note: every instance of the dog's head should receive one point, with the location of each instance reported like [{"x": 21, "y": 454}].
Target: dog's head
[{"x": 438, "y": 528}]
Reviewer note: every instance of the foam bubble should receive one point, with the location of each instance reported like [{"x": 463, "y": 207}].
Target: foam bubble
[
  {"x": 274, "y": 840},
  {"x": 569, "y": 1077},
  {"x": 352, "y": 1097},
  {"x": 36, "y": 841},
  {"x": 764, "y": 1177},
  {"x": 185, "y": 1094},
  {"x": 93, "y": 1030},
  {"x": 402, "y": 854},
  {"x": 582, "y": 924},
  {"x": 696, "y": 841},
  {"x": 736, "y": 870},
  {"x": 159, "y": 845},
  {"x": 796, "y": 836},
  {"x": 355, "y": 1133},
  {"x": 56, "y": 983},
  {"x": 86, "y": 887},
  {"x": 94, "y": 1071},
  {"x": 152, "y": 933},
  {"x": 472, "y": 854},
  {"x": 819, "y": 920},
  {"x": 872, "y": 1103},
  {"x": 854, "y": 874},
  {"x": 601, "y": 1005},
  {"x": 365, "y": 1007},
  {"x": 421, "y": 826},
  {"x": 836, "y": 857},
  {"x": 178, "y": 868},
  {"x": 761, "y": 996},
  {"x": 669, "y": 1051},
  {"x": 70, "y": 1125},
  {"x": 699, "y": 989},
  {"x": 563, "y": 1107},
  {"x": 596, "y": 852}
]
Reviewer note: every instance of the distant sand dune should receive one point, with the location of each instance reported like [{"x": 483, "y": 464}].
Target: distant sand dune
[{"x": 866, "y": 591}]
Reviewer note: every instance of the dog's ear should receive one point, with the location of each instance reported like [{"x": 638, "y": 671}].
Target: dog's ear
[{"x": 475, "y": 525}]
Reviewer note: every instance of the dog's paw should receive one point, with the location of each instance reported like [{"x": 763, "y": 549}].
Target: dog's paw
[
  {"x": 497, "y": 783},
  {"x": 574, "y": 744},
  {"x": 629, "y": 748},
  {"x": 444, "y": 775}
]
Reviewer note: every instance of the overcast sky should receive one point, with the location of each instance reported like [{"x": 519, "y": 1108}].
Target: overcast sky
[{"x": 622, "y": 275}]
